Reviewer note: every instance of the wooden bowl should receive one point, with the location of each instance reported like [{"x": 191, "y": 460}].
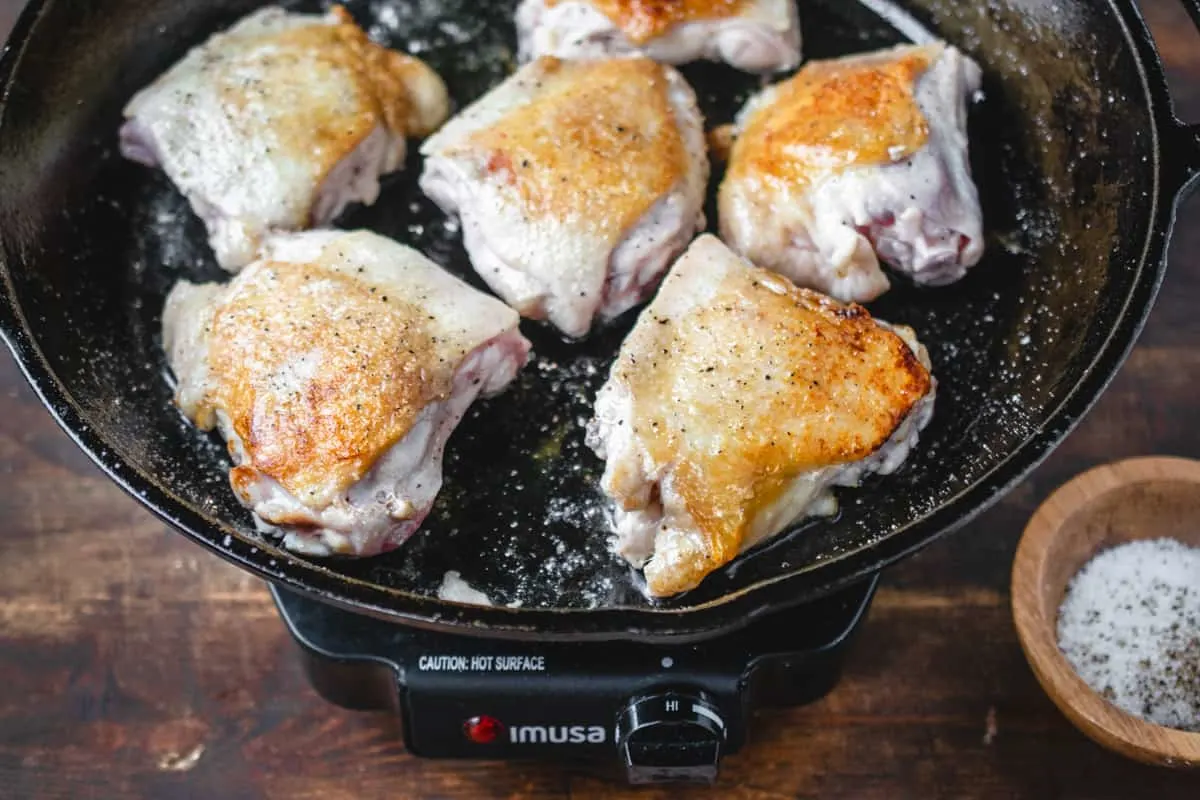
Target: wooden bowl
[{"x": 1142, "y": 498}]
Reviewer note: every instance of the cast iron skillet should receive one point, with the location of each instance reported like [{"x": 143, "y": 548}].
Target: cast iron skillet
[{"x": 1080, "y": 163}]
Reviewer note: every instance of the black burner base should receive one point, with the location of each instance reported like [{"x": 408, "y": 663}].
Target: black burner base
[{"x": 664, "y": 712}]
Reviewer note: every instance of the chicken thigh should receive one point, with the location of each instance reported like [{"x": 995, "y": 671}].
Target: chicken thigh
[
  {"x": 858, "y": 160},
  {"x": 751, "y": 35},
  {"x": 578, "y": 182},
  {"x": 336, "y": 367},
  {"x": 280, "y": 122},
  {"x": 734, "y": 405}
]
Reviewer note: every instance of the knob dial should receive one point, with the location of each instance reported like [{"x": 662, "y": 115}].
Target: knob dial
[{"x": 671, "y": 736}]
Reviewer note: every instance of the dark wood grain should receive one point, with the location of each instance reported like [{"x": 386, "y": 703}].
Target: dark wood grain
[{"x": 134, "y": 665}]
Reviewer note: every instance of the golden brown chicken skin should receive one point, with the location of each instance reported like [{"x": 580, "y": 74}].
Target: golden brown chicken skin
[
  {"x": 643, "y": 20},
  {"x": 577, "y": 182},
  {"x": 279, "y": 122},
  {"x": 733, "y": 403},
  {"x": 599, "y": 126},
  {"x": 832, "y": 115},
  {"x": 857, "y": 161},
  {"x": 751, "y": 35},
  {"x": 316, "y": 420},
  {"x": 336, "y": 368}
]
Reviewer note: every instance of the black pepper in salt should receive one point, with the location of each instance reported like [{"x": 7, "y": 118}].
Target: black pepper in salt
[{"x": 1130, "y": 626}]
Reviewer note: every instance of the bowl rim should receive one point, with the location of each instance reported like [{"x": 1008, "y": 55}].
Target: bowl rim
[{"x": 1087, "y": 710}]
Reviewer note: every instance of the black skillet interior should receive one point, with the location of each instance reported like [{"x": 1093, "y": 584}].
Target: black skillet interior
[{"x": 1063, "y": 151}]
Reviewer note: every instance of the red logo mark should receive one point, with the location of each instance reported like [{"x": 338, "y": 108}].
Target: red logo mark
[{"x": 483, "y": 729}]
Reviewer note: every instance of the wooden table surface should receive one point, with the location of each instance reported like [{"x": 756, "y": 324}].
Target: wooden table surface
[{"x": 133, "y": 664}]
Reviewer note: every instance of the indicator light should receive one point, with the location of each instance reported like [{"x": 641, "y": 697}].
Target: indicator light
[{"x": 483, "y": 729}]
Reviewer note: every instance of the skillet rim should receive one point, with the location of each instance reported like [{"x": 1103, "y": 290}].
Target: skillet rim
[{"x": 692, "y": 623}]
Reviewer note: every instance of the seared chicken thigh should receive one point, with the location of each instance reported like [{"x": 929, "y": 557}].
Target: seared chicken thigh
[
  {"x": 735, "y": 404},
  {"x": 336, "y": 367},
  {"x": 578, "y": 182},
  {"x": 854, "y": 161},
  {"x": 280, "y": 122},
  {"x": 751, "y": 35}
]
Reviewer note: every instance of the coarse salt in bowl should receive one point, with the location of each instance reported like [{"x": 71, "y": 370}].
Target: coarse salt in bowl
[
  {"x": 1130, "y": 626},
  {"x": 1087, "y": 523}
]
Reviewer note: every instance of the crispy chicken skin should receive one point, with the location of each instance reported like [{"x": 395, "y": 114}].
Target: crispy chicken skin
[
  {"x": 279, "y": 122},
  {"x": 577, "y": 184},
  {"x": 751, "y": 35},
  {"x": 336, "y": 367},
  {"x": 734, "y": 405},
  {"x": 858, "y": 160}
]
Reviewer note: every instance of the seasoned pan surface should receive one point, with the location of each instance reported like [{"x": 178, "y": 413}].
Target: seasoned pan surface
[{"x": 1065, "y": 151}]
